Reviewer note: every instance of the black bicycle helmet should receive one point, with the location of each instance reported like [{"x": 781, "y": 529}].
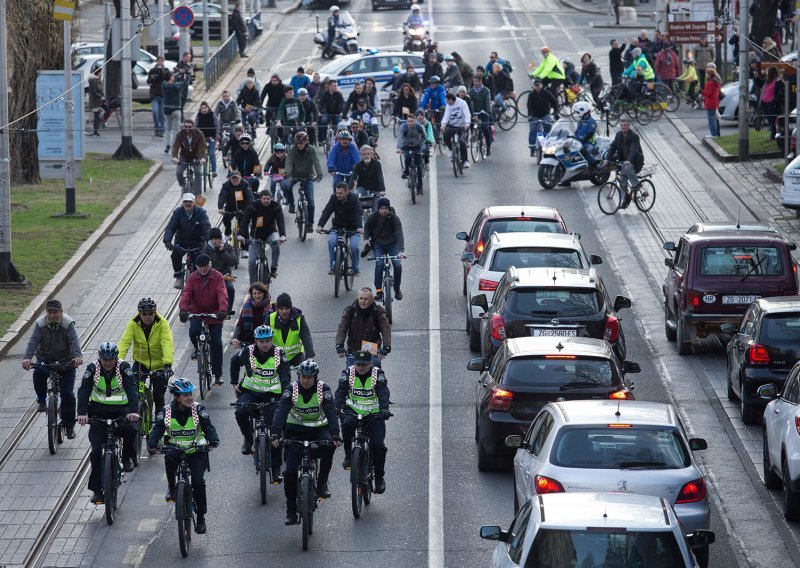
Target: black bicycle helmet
[
  {"x": 108, "y": 350},
  {"x": 147, "y": 305},
  {"x": 308, "y": 368}
]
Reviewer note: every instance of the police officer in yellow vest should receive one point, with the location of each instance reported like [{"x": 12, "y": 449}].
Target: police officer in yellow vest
[
  {"x": 266, "y": 375},
  {"x": 305, "y": 412},
  {"x": 363, "y": 390},
  {"x": 291, "y": 330},
  {"x": 108, "y": 390},
  {"x": 185, "y": 424}
]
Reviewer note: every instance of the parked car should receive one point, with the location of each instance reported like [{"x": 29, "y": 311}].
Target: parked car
[
  {"x": 595, "y": 529},
  {"x": 763, "y": 351},
  {"x": 529, "y": 372},
  {"x": 603, "y": 446},
  {"x": 141, "y": 90},
  {"x": 98, "y": 48},
  {"x": 547, "y": 302},
  {"x": 214, "y": 15},
  {"x": 790, "y": 188},
  {"x": 716, "y": 273},
  {"x": 523, "y": 250},
  {"x": 506, "y": 219}
]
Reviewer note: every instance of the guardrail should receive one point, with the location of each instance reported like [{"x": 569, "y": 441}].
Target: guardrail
[{"x": 222, "y": 58}]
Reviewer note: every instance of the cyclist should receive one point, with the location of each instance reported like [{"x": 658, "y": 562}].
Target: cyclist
[
  {"x": 189, "y": 146},
  {"x": 432, "y": 69},
  {"x": 549, "y": 71},
  {"x": 250, "y": 103},
  {"x": 366, "y": 116},
  {"x": 302, "y": 162},
  {"x": 266, "y": 376},
  {"x": 360, "y": 136},
  {"x": 452, "y": 77},
  {"x": 356, "y": 95},
  {"x": 232, "y": 146},
  {"x": 430, "y": 140},
  {"x": 184, "y": 424},
  {"x": 364, "y": 327},
  {"x": 455, "y": 122},
  {"x": 234, "y": 196},
  {"x": 108, "y": 390},
  {"x": 461, "y": 93},
  {"x": 626, "y": 148},
  {"x": 639, "y": 72},
  {"x": 411, "y": 141},
  {"x": 494, "y": 58},
  {"x": 464, "y": 68},
  {"x": 394, "y": 82},
  {"x": 251, "y": 74},
  {"x": 482, "y": 108},
  {"x": 586, "y": 131},
  {"x": 276, "y": 166},
  {"x": 412, "y": 79},
  {"x": 383, "y": 233},
  {"x": 290, "y": 114},
  {"x": 271, "y": 96},
  {"x": 306, "y": 412},
  {"x": 414, "y": 19},
  {"x": 311, "y": 114},
  {"x": 541, "y": 103},
  {"x": 342, "y": 157},
  {"x": 223, "y": 260},
  {"x": 689, "y": 80},
  {"x": 150, "y": 337},
  {"x": 368, "y": 175},
  {"x": 264, "y": 220},
  {"x": 434, "y": 99},
  {"x": 406, "y": 102},
  {"x": 503, "y": 84},
  {"x": 205, "y": 293},
  {"x": 208, "y": 124},
  {"x": 347, "y": 216},
  {"x": 255, "y": 312},
  {"x": 189, "y": 226},
  {"x": 54, "y": 339},
  {"x": 228, "y": 112},
  {"x": 331, "y": 108},
  {"x": 363, "y": 390},
  {"x": 299, "y": 80},
  {"x": 246, "y": 161},
  {"x": 291, "y": 330}
]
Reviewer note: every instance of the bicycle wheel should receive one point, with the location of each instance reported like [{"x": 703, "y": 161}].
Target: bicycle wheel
[
  {"x": 347, "y": 272},
  {"x": 564, "y": 108},
  {"x": 337, "y": 271},
  {"x": 394, "y": 127},
  {"x": 262, "y": 447},
  {"x": 201, "y": 367},
  {"x": 386, "y": 113},
  {"x": 609, "y": 197},
  {"x": 645, "y": 195},
  {"x": 614, "y": 114},
  {"x": 306, "y": 507},
  {"x": 237, "y": 247},
  {"x": 454, "y": 158},
  {"x": 137, "y": 444},
  {"x": 366, "y": 468},
  {"x": 643, "y": 115},
  {"x": 356, "y": 483},
  {"x": 387, "y": 297},
  {"x": 183, "y": 514},
  {"x": 261, "y": 270},
  {"x": 412, "y": 183},
  {"x": 109, "y": 487},
  {"x": 673, "y": 101},
  {"x": 207, "y": 373},
  {"x": 522, "y": 103},
  {"x": 508, "y": 118},
  {"x": 52, "y": 424}
]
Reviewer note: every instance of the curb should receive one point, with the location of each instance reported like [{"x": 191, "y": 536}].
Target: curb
[
  {"x": 32, "y": 311},
  {"x": 724, "y": 156},
  {"x": 292, "y": 9},
  {"x": 773, "y": 175}
]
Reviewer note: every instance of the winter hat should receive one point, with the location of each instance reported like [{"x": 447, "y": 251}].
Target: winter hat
[
  {"x": 215, "y": 233},
  {"x": 284, "y": 301},
  {"x": 383, "y": 202}
]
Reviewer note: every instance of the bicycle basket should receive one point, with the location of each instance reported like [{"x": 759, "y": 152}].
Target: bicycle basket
[{"x": 648, "y": 171}]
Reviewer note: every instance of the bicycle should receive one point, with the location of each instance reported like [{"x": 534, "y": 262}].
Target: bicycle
[
  {"x": 188, "y": 176},
  {"x": 362, "y": 468},
  {"x": 207, "y": 180},
  {"x": 262, "y": 261},
  {"x": 612, "y": 193},
  {"x": 542, "y": 130},
  {"x": 477, "y": 145},
  {"x": 225, "y": 135},
  {"x": 112, "y": 465},
  {"x": 236, "y": 218},
  {"x": 455, "y": 153},
  {"x": 301, "y": 217},
  {"x": 434, "y": 116},
  {"x": 413, "y": 172},
  {"x": 387, "y": 109},
  {"x": 262, "y": 458},
  {"x": 343, "y": 261},
  {"x": 188, "y": 262},
  {"x": 506, "y": 118},
  {"x": 146, "y": 407},
  {"x": 55, "y": 427},
  {"x": 387, "y": 280},
  {"x": 307, "y": 499},
  {"x": 276, "y": 188},
  {"x": 184, "y": 506},
  {"x": 204, "y": 354},
  {"x": 345, "y": 177}
]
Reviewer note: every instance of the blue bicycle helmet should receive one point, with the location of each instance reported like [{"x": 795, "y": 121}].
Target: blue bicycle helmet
[
  {"x": 435, "y": 79},
  {"x": 309, "y": 368},
  {"x": 344, "y": 135},
  {"x": 396, "y": 69},
  {"x": 263, "y": 332},
  {"x": 108, "y": 350},
  {"x": 279, "y": 147},
  {"x": 180, "y": 385}
]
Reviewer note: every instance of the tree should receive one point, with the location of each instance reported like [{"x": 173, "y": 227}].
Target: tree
[{"x": 764, "y": 14}]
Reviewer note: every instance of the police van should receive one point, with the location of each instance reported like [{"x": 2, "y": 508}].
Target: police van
[{"x": 348, "y": 70}]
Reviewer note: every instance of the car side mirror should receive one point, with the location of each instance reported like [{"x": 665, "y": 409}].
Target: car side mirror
[
  {"x": 514, "y": 441},
  {"x": 577, "y": 235},
  {"x": 462, "y": 236},
  {"x": 701, "y": 538},
  {"x": 494, "y": 533},
  {"x": 476, "y": 364},
  {"x": 767, "y": 392},
  {"x": 668, "y": 262},
  {"x": 697, "y": 444},
  {"x": 727, "y": 328},
  {"x": 792, "y": 245},
  {"x": 468, "y": 257},
  {"x": 621, "y": 302},
  {"x": 631, "y": 367},
  {"x": 595, "y": 259},
  {"x": 480, "y": 301},
  {"x": 669, "y": 245}
]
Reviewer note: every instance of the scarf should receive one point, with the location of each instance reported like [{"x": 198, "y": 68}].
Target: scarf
[{"x": 247, "y": 312}]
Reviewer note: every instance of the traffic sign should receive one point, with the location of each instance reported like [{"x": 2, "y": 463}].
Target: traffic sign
[
  {"x": 183, "y": 16},
  {"x": 64, "y": 10},
  {"x": 693, "y": 32},
  {"x": 786, "y": 69},
  {"x": 686, "y": 38}
]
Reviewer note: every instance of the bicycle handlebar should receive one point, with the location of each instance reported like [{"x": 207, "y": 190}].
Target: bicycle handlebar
[
  {"x": 105, "y": 421},
  {"x": 182, "y": 250},
  {"x": 312, "y": 444},
  {"x": 387, "y": 257},
  {"x": 258, "y": 405},
  {"x": 58, "y": 366},
  {"x": 345, "y": 233},
  {"x": 202, "y": 316}
]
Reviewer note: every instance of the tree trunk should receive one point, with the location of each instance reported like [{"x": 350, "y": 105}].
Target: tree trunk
[{"x": 763, "y": 25}]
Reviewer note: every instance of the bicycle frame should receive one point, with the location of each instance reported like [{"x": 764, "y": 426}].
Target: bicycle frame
[
  {"x": 55, "y": 426},
  {"x": 203, "y": 354}
]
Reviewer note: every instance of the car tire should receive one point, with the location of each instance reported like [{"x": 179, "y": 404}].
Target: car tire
[
  {"x": 486, "y": 461},
  {"x": 702, "y": 556},
  {"x": 731, "y": 393},
  {"x": 474, "y": 338},
  {"x": 668, "y": 331},
  {"x": 464, "y": 285},
  {"x": 684, "y": 346},
  {"x": 374, "y": 7},
  {"x": 771, "y": 479},
  {"x": 477, "y": 436},
  {"x": 750, "y": 412},
  {"x": 791, "y": 500}
]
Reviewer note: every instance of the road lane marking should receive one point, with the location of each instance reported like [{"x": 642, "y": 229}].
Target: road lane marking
[
  {"x": 134, "y": 555},
  {"x": 147, "y": 525}
]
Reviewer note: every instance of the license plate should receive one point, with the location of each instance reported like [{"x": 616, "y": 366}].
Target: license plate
[
  {"x": 795, "y": 181},
  {"x": 539, "y": 332},
  {"x": 740, "y": 299}
]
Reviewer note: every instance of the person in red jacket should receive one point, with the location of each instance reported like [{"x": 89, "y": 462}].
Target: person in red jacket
[
  {"x": 205, "y": 293},
  {"x": 711, "y": 92},
  {"x": 667, "y": 66}
]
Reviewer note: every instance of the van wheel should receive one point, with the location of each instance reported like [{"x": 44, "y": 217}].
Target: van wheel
[
  {"x": 668, "y": 331},
  {"x": 684, "y": 342}
]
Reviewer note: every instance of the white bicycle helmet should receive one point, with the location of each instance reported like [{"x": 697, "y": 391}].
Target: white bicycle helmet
[
  {"x": 414, "y": 7},
  {"x": 581, "y": 109},
  {"x": 333, "y": 9}
]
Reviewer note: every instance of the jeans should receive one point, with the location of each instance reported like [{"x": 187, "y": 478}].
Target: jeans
[
  {"x": 197, "y": 470},
  {"x": 451, "y": 131},
  {"x": 324, "y": 121},
  {"x": 713, "y": 121},
  {"x": 486, "y": 126},
  {"x": 66, "y": 385},
  {"x": 410, "y": 153},
  {"x": 308, "y": 189},
  {"x": 253, "y": 251},
  {"x": 768, "y": 111},
  {"x": 198, "y": 176},
  {"x": 159, "y": 120},
  {"x": 500, "y": 100},
  {"x": 293, "y": 455},
  {"x": 533, "y": 126},
  {"x": 376, "y": 434},
  {"x": 211, "y": 146},
  {"x": 253, "y": 117},
  {"x": 392, "y": 250},
  {"x": 243, "y": 414},
  {"x": 215, "y": 342},
  {"x": 338, "y": 179},
  {"x": 588, "y": 153},
  {"x": 355, "y": 241},
  {"x": 173, "y": 119},
  {"x": 97, "y": 437}
]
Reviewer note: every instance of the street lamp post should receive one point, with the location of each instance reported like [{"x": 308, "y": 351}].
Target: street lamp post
[{"x": 744, "y": 96}]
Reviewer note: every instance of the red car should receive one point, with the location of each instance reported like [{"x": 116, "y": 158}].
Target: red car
[{"x": 507, "y": 219}]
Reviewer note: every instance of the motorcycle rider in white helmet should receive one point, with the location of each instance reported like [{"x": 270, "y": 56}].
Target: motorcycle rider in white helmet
[
  {"x": 333, "y": 22},
  {"x": 414, "y": 18},
  {"x": 586, "y": 132}
]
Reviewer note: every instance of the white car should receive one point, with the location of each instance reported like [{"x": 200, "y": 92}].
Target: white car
[
  {"x": 591, "y": 446},
  {"x": 595, "y": 530},
  {"x": 782, "y": 441},
  {"x": 348, "y": 70},
  {"x": 98, "y": 48},
  {"x": 790, "y": 189},
  {"x": 539, "y": 246},
  {"x": 141, "y": 90}
]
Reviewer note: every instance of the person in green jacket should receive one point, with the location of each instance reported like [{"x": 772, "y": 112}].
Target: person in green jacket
[
  {"x": 150, "y": 336},
  {"x": 639, "y": 72},
  {"x": 291, "y": 114},
  {"x": 549, "y": 71},
  {"x": 302, "y": 165}
]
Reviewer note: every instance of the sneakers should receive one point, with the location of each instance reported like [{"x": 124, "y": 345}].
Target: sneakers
[
  {"x": 379, "y": 296},
  {"x": 466, "y": 164},
  {"x": 276, "y": 476},
  {"x": 323, "y": 491},
  {"x": 127, "y": 465},
  {"x": 200, "y": 528},
  {"x": 247, "y": 446},
  {"x": 166, "y": 150},
  {"x": 213, "y": 174},
  {"x": 71, "y": 433},
  {"x": 291, "y": 518},
  {"x": 42, "y": 407},
  {"x": 217, "y": 380},
  {"x": 380, "y": 485},
  {"x": 178, "y": 283},
  {"x": 405, "y": 175},
  {"x": 398, "y": 295},
  {"x": 330, "y": 272},
  {"x": 309, "y": 229},
  {"x": 244, "y": 253},
  {"x": 169, "y": 497},
  {"x": 97, "y": 498},
  {"x": 533, "y": 152},
  {"x": 274, "y": 272},
  {"x": 488, "y": 151},
  {"x": 291, "y": 209},
  {"x": 346, "y": 464}
]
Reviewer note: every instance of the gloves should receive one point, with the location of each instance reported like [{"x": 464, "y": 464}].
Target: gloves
[
  {"x": 214, "y": 444},
  {"x": 331, "y": 171},
  {"x": 167, "y": 371},
  {"x": 385, "y": 415},
  {"x": 318, "y": 179},
  {"x": 340, "y": 349},
  {"x": 384, "y": 351},
  {"x": 222, "y": 315},
  {"x": 274, "y": 437},
  {"x": 169, "y": 245},
  {"x": 183, "y": 316}
]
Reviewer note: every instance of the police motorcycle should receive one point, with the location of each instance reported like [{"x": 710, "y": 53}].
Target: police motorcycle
[
  {"x": 417, "y": 37},
  {"x": 346, "y": 40},
  {"x": 562, "y": 161}
]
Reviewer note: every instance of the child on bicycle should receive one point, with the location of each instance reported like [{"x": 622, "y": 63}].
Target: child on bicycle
[{"x": 688, "y": 79}]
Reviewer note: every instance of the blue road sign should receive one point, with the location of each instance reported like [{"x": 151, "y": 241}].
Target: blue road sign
[{"x": 183, "y": 16}]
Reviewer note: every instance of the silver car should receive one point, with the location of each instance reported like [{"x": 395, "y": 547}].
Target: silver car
[{"x": 603, "y": 446}]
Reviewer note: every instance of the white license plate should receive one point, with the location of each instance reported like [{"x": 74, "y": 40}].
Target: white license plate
[
  {"x": 539, "y": 332},
  {"x": 795, "y": 181},
  {"x": 739, "y": 299}
]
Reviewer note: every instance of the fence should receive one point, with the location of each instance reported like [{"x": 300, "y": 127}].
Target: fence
[{"x": 221, "y": 59}]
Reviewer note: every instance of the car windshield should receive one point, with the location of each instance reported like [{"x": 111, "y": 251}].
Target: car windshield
[
  {"x": 604, "y": 547},
  {"x": 781, "y": 330},
  {"x": 532, "y": 257},
  {"x": 555, "y": 372},
  {"x": 519, "y": 225},
  {"x": 555, "y": 301},
  {"x": 620, "y": 447},
  {"x": 741, "y": 261}
]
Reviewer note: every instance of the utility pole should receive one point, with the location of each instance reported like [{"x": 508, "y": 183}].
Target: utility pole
[
  {"x": 8, "y": 274},
  {"x": 69, "y": 111},
  {"x": 224, "y": 14},
  {"x": 205, "y": 41},
  {"x": 744, "y": 95},
  {"x": 126, "y": 150},
  {"x": 162, "y": 13}
]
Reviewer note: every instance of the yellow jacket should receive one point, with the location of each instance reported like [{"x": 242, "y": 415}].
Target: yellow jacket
[
  {"x": 549, "y": 68},
  {"x": 689, "y": 75},
  {"x": 153, "y": 351}
]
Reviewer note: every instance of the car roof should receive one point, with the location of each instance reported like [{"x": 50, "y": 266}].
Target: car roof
[
  {"x": 731, "y": 226},
  {"x": 587, "y": 346},
  {"x": 533, "y": 239},
  {"x": 763, "y": 237},
  {"x": 335, "y": 66},
  {"x": 522, "y": 211},
  {"x": 605, "y": 412},
  {"x": 779, "y": 304},
  {"x": 618, "y": 510},
  {"x": 556, "y": 277}
]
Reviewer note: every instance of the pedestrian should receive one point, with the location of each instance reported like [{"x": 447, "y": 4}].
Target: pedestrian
[
  {"x": 590, "y": 74},
  {"x": 154, "y": 78},
  {"x": 185, "y": 71},
  {"x": 615, "y": 7},
  {"x": 97, "y": 101},
  {"x": 770, "y": 50},
  {"x": 772, "y": 94},
  {"x": 703, "y": 55},
  {"x": 711, "y": 98},
  {"x": 239, "y": 28},
  {"x": 364, "y": 327},
  {"x": 667, "y": 67},
  {"x": 171, "y": 91}
]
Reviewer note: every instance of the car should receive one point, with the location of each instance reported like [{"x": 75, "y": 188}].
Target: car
[
  {"x": 141, "y": 90},
  {"x": 603, "y": 446},
  {"x": 529, "y": 372},
  {"x": 595, "y": 529},
  {"x": 353, "y": 68},
  {"x": 98, "y": 48},
  {"x": 763, "y": 351},
  {"x": 550, "y": 302},
  {"x": 215, "y": 21},
  {"x": 706, "y": 226},
  {"x": 523, "y": 250},
  {"x": 714, "y": 275},
  {"x": 506, "y": 219},
  {"x": 790, "y": 188}
]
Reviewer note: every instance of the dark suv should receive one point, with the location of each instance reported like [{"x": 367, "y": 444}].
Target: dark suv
[
  {"x": 717, "y": 272},
  {"x": 550, "y": 302}
]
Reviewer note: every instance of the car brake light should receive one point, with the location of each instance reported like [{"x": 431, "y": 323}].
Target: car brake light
[
  {"x": 620, "y": 425},
  {"x": 797, "y": 423},
  {"x": 523, "y": 218},
  {"x": 559, "y": 357},
  {"x": 692, "y": 492},
  {"x": 498, "y": 328},
  {"x": 620, "y": 395},
  {"x": 758, "y": 354},
  {"x": 612, "y": 329},
  {"x": 486, "y": 285},
  {"x": 501, "y": 400},
  {"x": 543, "y": 485},
  {"x": 692, "y": 299}
]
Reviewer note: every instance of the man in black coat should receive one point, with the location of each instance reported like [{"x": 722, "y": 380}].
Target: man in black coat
[
  {"x": 347, "y": 216},
  {"x": 383, "y": 232},
  {"x": 223, "y": 260},
  {"x": 239, "y": 28},
  {"x": 616, "y": 63},
  {"x": 263, "y": 219},
  {"x": 626, "y": 148},
  {"x": 189, "y": 226}
]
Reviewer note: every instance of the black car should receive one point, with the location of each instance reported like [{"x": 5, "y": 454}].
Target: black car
[
  {"x": 550, "y": 302},
  {"x": 529, "y": 372},
  {"x": 763, "y": 351}
]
